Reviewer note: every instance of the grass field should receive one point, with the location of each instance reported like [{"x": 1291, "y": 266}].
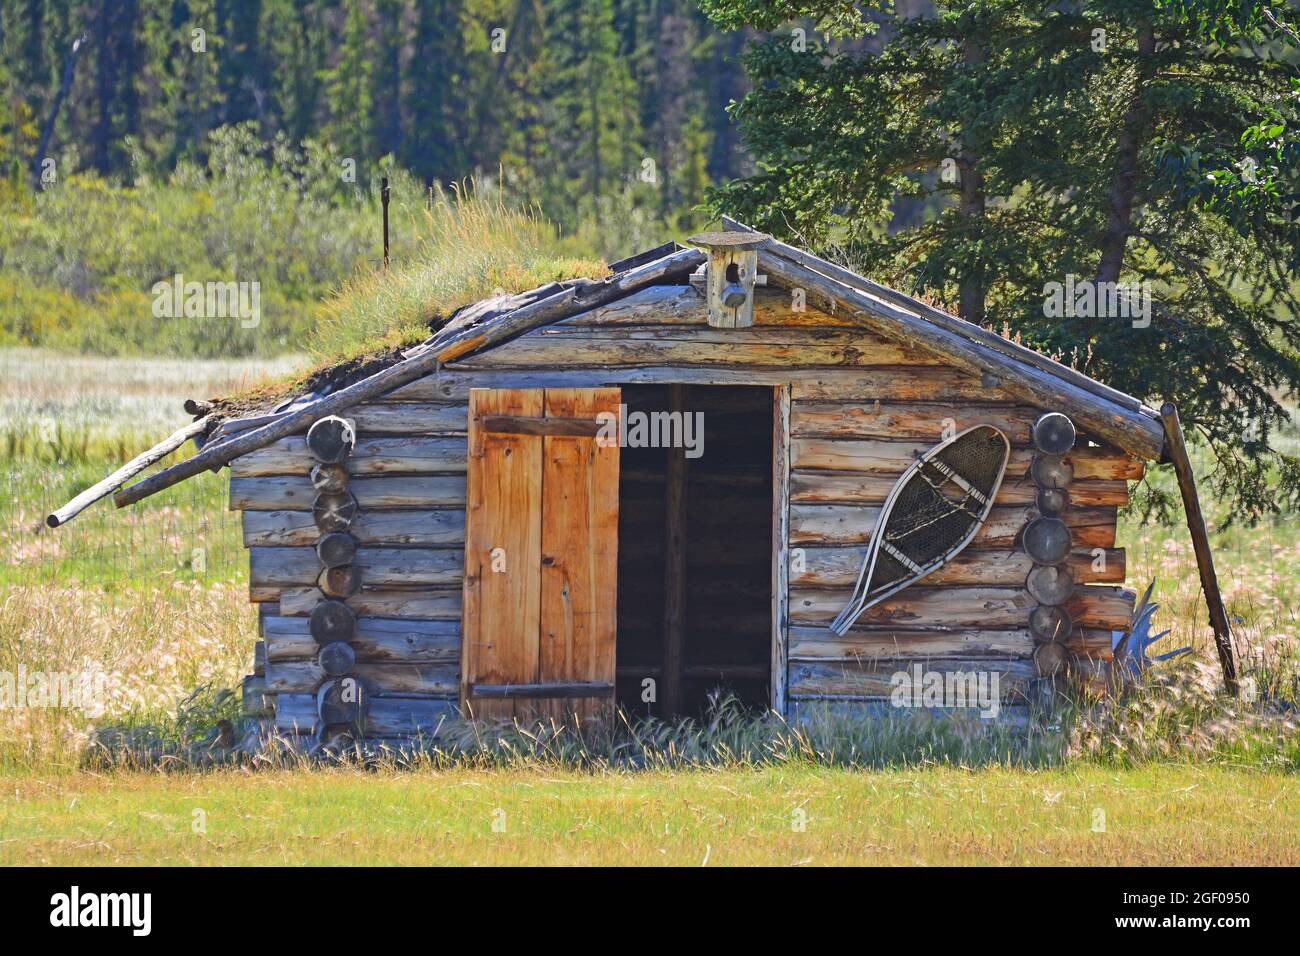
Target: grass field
[
  {"x": 155, "y": 598},
  {"x": 788, "y": 816}
]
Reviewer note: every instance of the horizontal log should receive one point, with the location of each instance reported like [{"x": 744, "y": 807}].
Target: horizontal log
[
  {"x": 685, "y": 305},
  {"x": 924, "y": 421},
  {"x": 418, "y": 454},
  {"x": 811, "y": 643},
  {"x": 1115, "y": 421},
  {"x": 293, "y": 677},
  {"x": 1093, "y": 606},
  {"x": 831, "y": 487},
  {"x": 385, "y": 716},
  {"x": 295, "y": 492},
  {"x": 427, "y": 604},
  {"x": 875, "y": 678},
  {"x": 425, "y": 529},
  {"x": 901, "y": 383},
  {"x": 839, "y": 567},
  {"x": 277, "y": 568},
  {"x": 830, "y": 525},
  {"x": 886, "y": 457},
  {"x": 376, "y": 640},
  {"x": 559, "y": 347}
]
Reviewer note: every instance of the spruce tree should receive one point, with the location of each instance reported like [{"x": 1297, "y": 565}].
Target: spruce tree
[{"x": 999, "y": 149}]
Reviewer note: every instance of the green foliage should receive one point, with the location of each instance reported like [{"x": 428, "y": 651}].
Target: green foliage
[
  {"x": 540, "y": 93},
  {"x": 998, "y": 146}
]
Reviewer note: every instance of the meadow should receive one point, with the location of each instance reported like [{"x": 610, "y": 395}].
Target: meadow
[{"x": 155, "y": 598}]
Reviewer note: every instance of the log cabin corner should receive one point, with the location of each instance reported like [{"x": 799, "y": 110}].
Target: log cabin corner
[{"x": 633, "y": 492}]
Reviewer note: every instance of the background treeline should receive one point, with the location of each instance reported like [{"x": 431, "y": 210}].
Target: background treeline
[{"x": 586, "y": 108}]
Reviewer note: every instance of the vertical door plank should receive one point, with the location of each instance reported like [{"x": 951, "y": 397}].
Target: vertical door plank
[
  {"x": 502, "y": 608},
  {"x": 780, "y": 543},
  {"x": 579, "y": 553}
]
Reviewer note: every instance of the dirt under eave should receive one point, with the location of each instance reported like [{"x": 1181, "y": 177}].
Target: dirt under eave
[{"x": 264, "y": 399}]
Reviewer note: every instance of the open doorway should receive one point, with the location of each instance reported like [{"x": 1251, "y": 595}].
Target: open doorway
[{"x": 695, "y": 540}]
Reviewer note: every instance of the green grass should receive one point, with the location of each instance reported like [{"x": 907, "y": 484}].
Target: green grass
[{"x": 936, "y": 816}]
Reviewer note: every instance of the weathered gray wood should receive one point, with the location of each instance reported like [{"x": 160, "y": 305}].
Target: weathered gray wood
[
  {"x": 388, "y": 716},
  {"x": 424, "y": 678},
  {"x": 340, "y": 583},
  {"x": 882, "y": 456},
  {"x": 426, "y": 603},
  {"x": 427, "y": 529},
  {"x": 839, "y": 566},
  {"x": 832, "y": 525},
  {"x": 813, "y": 710},
  {"x": 330, "y": 622},
  {"x": 921, "y": 421},
  {"x": 276, "y": 568},
  {"x": 812, "y": 643},
  {"x": 128, "y": 471},
  {"x": 820, "y": 487},
  {"x": 442, "y": 348},
  {"x": 335, "y": 659},
  {"x": 334, "y": 512},
  {"x": 1052, "y": 471},
  {"x": 1124, "y": 427},
  {"x": 1047, "y": 540},
  {"x": 341, "y": 701},
  {"x": 294, "y": 492},
  {"x": 379, "y": 417},
  {"x": 953, "y": 323},
  {"x": 329, "y": 479},
  {"x": 375, "y": 639},
  {"x": 733, "y": 348},
  {"x": 904, "y": 383},
  {"x": 330, "y": 439},
  {"x": 874, "y": 678},
  {"x": 1054, "y": 434},
  {"x": 1050, "y": 584},
  {"x": 923, "y": 607},
  {"x": 1200, "y": 544},
  {"x": 1050, "y": 659},
  {"x": 1051, "y": 623},
  {"x": 684, "y": 305},
  {"x": 780, "y": 545},
  {"x": 395, "y": 454},
  {"x": 336, "y": 548}
]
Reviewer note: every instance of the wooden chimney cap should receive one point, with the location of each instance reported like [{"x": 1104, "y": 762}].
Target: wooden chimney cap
[{"x": 735, "y": 241}]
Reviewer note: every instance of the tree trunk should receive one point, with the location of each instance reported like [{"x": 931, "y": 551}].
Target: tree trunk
[{"x": 1119, "y": 219}]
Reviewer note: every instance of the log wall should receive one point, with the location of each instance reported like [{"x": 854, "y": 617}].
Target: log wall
[{"x": 857, "y": 410}]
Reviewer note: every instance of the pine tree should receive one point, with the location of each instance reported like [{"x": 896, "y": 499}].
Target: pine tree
[{"x": 998, "y": 148}]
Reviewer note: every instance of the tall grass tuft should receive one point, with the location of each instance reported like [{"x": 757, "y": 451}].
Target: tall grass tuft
[{"x": 466, "y": 247}]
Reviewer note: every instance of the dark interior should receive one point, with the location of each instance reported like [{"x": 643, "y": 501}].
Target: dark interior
[{"x": 724, "y": 552}]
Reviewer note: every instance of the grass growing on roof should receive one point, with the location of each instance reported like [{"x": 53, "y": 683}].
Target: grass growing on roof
[{"x": 468, "y": 248}]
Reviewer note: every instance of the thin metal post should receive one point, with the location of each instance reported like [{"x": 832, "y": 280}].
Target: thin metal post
[{"x": 383, "y": 194}]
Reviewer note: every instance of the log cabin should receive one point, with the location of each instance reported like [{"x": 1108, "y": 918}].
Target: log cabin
[{"x": 454, "y": 535}]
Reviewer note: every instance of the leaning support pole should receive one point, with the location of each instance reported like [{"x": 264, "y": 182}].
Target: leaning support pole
[
  {"x": 449, "y": 344},
  {"x": 128, "y": 471},
  {"x": 1176, "y": 449}
]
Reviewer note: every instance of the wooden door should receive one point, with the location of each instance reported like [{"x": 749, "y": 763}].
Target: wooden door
[{"x": 541, "y": 554}]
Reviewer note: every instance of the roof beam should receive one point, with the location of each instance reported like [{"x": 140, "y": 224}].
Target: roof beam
[{"x": 1102, "y": 418}]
